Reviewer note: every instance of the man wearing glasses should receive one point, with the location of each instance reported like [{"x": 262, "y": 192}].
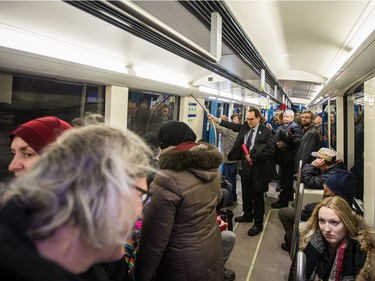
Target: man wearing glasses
[{"x": 257, "y": 167}]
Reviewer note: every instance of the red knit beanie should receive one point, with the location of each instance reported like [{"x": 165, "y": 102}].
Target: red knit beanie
[{"x": 40, "y": 132}]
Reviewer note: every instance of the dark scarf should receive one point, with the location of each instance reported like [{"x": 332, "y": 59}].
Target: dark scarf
[{"x": 344, "y": 264}]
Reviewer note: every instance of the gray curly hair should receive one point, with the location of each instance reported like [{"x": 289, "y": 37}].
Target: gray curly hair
[{"x": 85, "y": 179}]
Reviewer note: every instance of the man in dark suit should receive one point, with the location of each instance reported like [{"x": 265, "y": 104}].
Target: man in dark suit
[{"x": 257, "y": 167}]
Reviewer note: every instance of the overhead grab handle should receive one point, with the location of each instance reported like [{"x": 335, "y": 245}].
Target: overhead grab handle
[
  {"x": 216, "y": 35},
  {"x": 146, "y": 18},
  {"x": 207, "y": 112}
]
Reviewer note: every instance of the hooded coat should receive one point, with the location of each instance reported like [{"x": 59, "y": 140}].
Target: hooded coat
[{"x": 180, "y": 238}]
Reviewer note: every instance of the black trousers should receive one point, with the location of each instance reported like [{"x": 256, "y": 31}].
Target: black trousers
[
  {"x": 286, "y": 183},
  {"x": 253, "y": 201}
]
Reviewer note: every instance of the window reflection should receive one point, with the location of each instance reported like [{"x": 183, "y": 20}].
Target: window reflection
[
  {"x": 32, "y": 97},
  {"x": 148, "y": 111}
]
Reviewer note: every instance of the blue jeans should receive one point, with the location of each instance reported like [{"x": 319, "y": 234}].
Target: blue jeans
[
  {"x": 229, "y": 172},
  {"x": 229, "y": 238}
]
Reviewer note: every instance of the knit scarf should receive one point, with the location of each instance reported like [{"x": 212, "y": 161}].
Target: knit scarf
[{"x": 321, "y": 266}]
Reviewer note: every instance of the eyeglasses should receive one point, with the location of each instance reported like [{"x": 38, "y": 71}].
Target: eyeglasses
[
  {"x": 251, "y": 119},
  {"x": 305, "y": 117},
  {"x": 145, "y": 195}
]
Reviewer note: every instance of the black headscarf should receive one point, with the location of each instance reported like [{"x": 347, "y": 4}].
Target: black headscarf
[{"x": 173, "y": 133}]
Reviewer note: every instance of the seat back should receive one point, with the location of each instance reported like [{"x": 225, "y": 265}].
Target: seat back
[
  {"x": 300, "y": 164},
  {"x": 297, "y": 219}
]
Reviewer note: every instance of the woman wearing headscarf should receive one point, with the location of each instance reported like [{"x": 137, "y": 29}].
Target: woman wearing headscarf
[
  {"x": 180, "y": 238},
  {"x": 28, "y": 141}
]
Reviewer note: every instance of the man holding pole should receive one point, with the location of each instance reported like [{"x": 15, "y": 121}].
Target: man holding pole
[{"x": 257, "y": 167}]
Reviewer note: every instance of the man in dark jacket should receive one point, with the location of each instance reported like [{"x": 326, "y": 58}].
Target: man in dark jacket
[
  {"x": 310, "y": 140},
  {"x": 287, "y": 139},
  {"x": 258, "y": 169},
  {"x": 314, "y": 175}
]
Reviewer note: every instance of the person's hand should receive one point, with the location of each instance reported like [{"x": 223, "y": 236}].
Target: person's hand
[
  {"x": 269, "y": 126},
  {"x": 318, "y": 162},
  {"x": 211, "y": 117},
  {"x": 280, "y": 144}
]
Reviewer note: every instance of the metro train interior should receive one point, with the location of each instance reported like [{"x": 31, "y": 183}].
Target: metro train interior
[{"x": 183, "y": 59}]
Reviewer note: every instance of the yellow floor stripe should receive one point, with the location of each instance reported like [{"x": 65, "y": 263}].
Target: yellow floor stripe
[{"x": 258, "y": 246}]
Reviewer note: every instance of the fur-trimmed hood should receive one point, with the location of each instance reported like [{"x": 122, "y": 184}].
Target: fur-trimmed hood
[
  {"x": 201, "y": 156},
  {"x": 366, "y": 239}
]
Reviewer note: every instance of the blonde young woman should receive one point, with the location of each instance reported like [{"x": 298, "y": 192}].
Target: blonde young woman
[{"x": 338, "y": 244}]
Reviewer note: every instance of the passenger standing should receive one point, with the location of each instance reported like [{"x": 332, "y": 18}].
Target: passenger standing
[
  {"x": 338, "y": 243},
  {"x": 76, "y": 205},
  {"x": 310, "y": 140},
  {"x": 180, "y": 238},
  {"x": 132, "y": 110},
  {"x": 30, "y": 138},
  {"x": 287, "y": 140},
  {"x": 141, "y": 117},
  {"x": 256, "y": 176},
  {"x": 228, "y": 137},
  {"x": 322, "y": 130}
]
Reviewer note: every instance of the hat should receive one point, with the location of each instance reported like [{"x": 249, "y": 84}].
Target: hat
[
  {"x": 40, "y": 132},
  {"x": 343, "y": 183},
  {"x": 173, "y": 133},
  {"x": 325, "y": 153}
]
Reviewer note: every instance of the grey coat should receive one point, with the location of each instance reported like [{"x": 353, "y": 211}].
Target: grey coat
[
  {"x": 228, "y": 137},
  {"x": 180, "y": 238}
]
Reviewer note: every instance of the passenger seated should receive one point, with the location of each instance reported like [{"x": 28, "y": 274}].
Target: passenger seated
[
  {"x": 75, "y": 207},
  {"x": 314, "y": 175},
  {"x": 342, "y": 183},
  {"x": 338, "y": 243}
]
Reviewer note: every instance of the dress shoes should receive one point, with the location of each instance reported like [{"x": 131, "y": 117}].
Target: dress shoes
[
  {"x": 244, "y": 218},
  {"x": 229, "y": 275},
  {"x": 279, "y": 205},
  {"x": 255, "y": 230}
]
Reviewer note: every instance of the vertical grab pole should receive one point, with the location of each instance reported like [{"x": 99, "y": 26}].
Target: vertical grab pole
[{"x": 207, "y": 112}]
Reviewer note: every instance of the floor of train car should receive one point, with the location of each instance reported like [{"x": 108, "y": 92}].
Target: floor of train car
[{"x": 259, "y": 258}]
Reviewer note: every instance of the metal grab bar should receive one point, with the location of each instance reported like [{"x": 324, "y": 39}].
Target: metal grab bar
[
  {"x": 210, "y": 120},
  {"x": 300, "y": 274}
]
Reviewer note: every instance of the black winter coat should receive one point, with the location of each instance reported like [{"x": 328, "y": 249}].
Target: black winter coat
[
  {"x": 263, "y": 168},
  {"x": 20, "y": 260},
  {"x": 290, "y": 134}
]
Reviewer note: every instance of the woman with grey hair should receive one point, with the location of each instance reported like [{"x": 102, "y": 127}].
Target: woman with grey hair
[{"x": 75, "y": 207}]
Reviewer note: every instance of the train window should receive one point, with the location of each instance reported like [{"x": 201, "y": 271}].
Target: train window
[
  {"x": 34, "y": 97},
  {"x": 148, "y": 111},
  {"x": 359, "y": 127},
  {"x": 331, "y": 123}
]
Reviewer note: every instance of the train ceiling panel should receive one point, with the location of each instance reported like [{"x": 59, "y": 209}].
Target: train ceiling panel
[{"x": 300, "y": 44}]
